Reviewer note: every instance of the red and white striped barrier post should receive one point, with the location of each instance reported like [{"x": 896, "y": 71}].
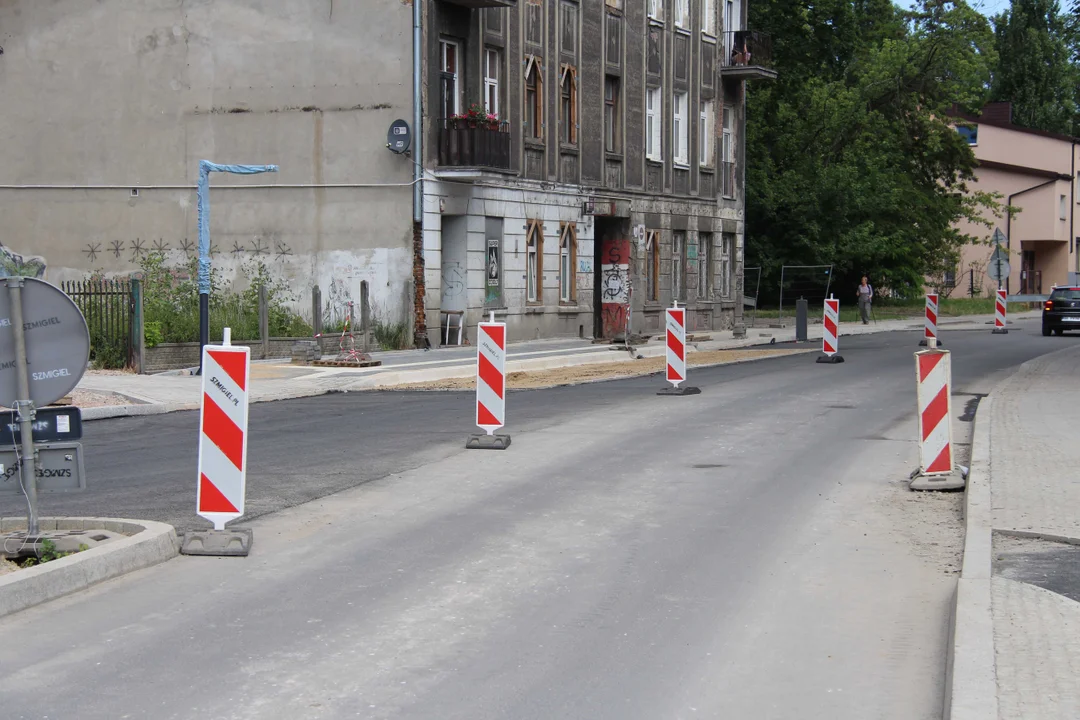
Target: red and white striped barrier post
[
  {"x": 223, "y": 431},
  {"x": 830, "y": 332},
  {"x": 490, "y": 386},
  {"x": 1001, "y": 308},
  {"x": 930, "y": 321},
  {"x": 933, "y": 374},
  {"x": 675, "y": 337}
]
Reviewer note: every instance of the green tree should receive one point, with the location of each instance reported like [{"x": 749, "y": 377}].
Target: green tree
[
  {"x": 1035, "y": 70},
  {"x": 851, "y": 157}
]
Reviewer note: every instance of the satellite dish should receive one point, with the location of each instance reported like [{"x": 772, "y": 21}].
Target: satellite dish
[{"x": 399, "y": 137}]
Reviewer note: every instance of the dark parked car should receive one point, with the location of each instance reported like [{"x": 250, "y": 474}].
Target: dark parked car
[{"x": 1061, "y": 311}]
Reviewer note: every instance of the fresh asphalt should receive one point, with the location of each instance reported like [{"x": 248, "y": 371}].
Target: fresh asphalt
[{"x": 630, "y": 556}]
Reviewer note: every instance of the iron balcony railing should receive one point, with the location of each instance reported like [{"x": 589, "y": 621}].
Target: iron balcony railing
[
  {"x": 747, "y": 48},
  {"x": 471, "y": 143}
]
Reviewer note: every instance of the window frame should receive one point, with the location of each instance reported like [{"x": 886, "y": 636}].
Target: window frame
[
  {"x": 568, "y": 130},
  {"x": 680, "y": 130},
  {"x": 568, "y": 263},
  {"x": 454, "y": 76},
  {"x": 535, "y": 109},
  {"x": 492, "y": 82},
  {"x": 708, "y": 17},
  {"x": 682, "y": 14},
  {"x": 706, "y": 123},
  {"x": 727, "y": 254},
  {"x": 678, "y": 265},
  {"x": 654, "y": 124},
  {"x": 654, "y": 11},
  {"x": 534, "y": 262},
  {"x": 612, "y": 119},
  {"x": 705, "y": 270},
  {"x": 652, "y": 254},
  {"x": 727, "y": 149}
]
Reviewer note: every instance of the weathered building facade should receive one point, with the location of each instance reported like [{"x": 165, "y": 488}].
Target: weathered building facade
[
  {"x": 587, "y": 161},
  {"x": 108, "y": 107}
]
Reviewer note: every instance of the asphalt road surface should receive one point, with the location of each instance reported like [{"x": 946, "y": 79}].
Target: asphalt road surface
[{"x": 750, "y": 552}]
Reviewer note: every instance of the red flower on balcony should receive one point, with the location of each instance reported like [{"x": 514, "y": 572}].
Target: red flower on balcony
[{"x": 476, "y": 116}]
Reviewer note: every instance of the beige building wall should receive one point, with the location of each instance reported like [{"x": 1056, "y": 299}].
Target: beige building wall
[
  {"x": 102, "y": 99},
  {"x": 1038, "y": 172}
]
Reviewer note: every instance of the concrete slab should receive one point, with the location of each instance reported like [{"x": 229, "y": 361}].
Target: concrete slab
[{"x": 231, "y": 542}]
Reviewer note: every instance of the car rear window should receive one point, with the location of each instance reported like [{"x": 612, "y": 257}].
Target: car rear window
[{"x": 1065, "y": 294}]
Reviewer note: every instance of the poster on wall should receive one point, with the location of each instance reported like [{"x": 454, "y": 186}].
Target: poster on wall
[{"x": 493, "y": 272}]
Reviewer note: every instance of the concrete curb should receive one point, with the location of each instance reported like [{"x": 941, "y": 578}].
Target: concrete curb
[
  {"x": 971, "y": 671},
  {"x": 149, "y": 543}
]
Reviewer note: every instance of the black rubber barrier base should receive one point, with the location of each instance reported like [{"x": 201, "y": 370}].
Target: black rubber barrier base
[
  {"x": 999, "y": 331},
  {"x": 487, "y": 442},
  {"x": 831, "y": 359},
  {"x": 680, "y": 391}
]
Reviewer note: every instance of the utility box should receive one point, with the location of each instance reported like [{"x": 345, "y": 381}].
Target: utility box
[
  {"x": 59, "y": 468},
  {"x": 801, "y": 311}
]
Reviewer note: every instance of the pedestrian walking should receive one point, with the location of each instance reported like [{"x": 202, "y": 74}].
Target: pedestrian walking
[{"x": 865, "y": 295}]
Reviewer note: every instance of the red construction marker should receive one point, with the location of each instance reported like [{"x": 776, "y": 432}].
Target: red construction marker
[{"x": 223, "y": 434}]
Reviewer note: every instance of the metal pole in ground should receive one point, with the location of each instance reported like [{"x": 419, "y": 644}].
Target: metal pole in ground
[
  {"x": 365, "y": 314},
  {"x": 264, "y": 320},
  {"x": 802, "y": 309},
  {"x": 24, "y": 406}
]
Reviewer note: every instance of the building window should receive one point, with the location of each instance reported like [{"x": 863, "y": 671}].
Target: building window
[
  {"x": 615, "y": 4},
  {"x": 708, "y": 17},
  {"x": 949, "y": 278},
  {"x": 568, "y": 262},
  {"x": 704, "y": 255},
  {"x": 681, "y": 131},
  {"x": 569, "y": 28},
  {"x": 653, "y": 124},
  {"x": 450, "y": 100},
  {"x": 970, "y": 134},
  {"x": 727, "y": 251},
  {"x": 534, "y": 273},
  {"x": 678, "y": 264},
  {"x": 652, "y": 251},
  {"x": 1062, "y": 207},
  {"x": 705, "y": 135},
  {"x": 611, "y": 114},
  {"x": 728, "y": 153},
  {"x": 568, "y": 105},
  {"x": 534, "y": 99},
  {"x": 682, "y": 13},
  {"x": 656, "y": 10},
  {"x": 492, "y": 65}
]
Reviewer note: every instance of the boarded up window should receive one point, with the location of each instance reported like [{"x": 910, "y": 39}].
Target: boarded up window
[
  {"x": 569, "y": 27},
  {"x": 534, "y": 22},
  {"x": 708, "y": 63},
  {"x": 654, "y": 50},
  {"x": 493, "y": 20},
  {"x": 682, "y": 45},
  {"x": 614, "y": 40}
]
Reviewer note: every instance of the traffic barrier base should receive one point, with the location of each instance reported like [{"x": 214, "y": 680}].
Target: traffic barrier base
[
  {"x": 487, "y": 442},
  {"x": 680, "y": 391},
  {"x": 831, "y": 359},
  {"x": 999, "y": 331},
  {"x": 234, "y": 542}
]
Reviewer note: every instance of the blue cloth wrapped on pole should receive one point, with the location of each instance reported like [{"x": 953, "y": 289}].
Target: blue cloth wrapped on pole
[{"x": 205, "y": 168}]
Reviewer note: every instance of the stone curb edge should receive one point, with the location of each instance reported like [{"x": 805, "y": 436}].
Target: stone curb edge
[
  {"x": 149, "y": 544},
  {"x": 971, "y": 672}
]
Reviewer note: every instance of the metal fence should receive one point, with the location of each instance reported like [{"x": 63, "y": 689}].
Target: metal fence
[
  {"x": 109, "y": 309},
  {"x": 810, "y": 282}
]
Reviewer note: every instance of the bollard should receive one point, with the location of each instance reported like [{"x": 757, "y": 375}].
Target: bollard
[
  {"x": 490, "y": 386},
  {"x": 802, "y": 310},
  {"x": 933, "y": 375},
  {"x": 830, "y": 343},
  {"x": 1001, "y": 309},
  {"x": 930, "y": 315},
  {"x": 316, "y": 311},
  {"x": 675, "y": 336}
]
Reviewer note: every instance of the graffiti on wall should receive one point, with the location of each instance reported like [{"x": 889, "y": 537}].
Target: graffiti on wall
[
  {"x": 615, "y": 284},
  {"x": 14, "y": 265}
]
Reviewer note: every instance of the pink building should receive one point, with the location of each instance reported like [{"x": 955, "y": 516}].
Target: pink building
[{"x": 1035, "y": 172}]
